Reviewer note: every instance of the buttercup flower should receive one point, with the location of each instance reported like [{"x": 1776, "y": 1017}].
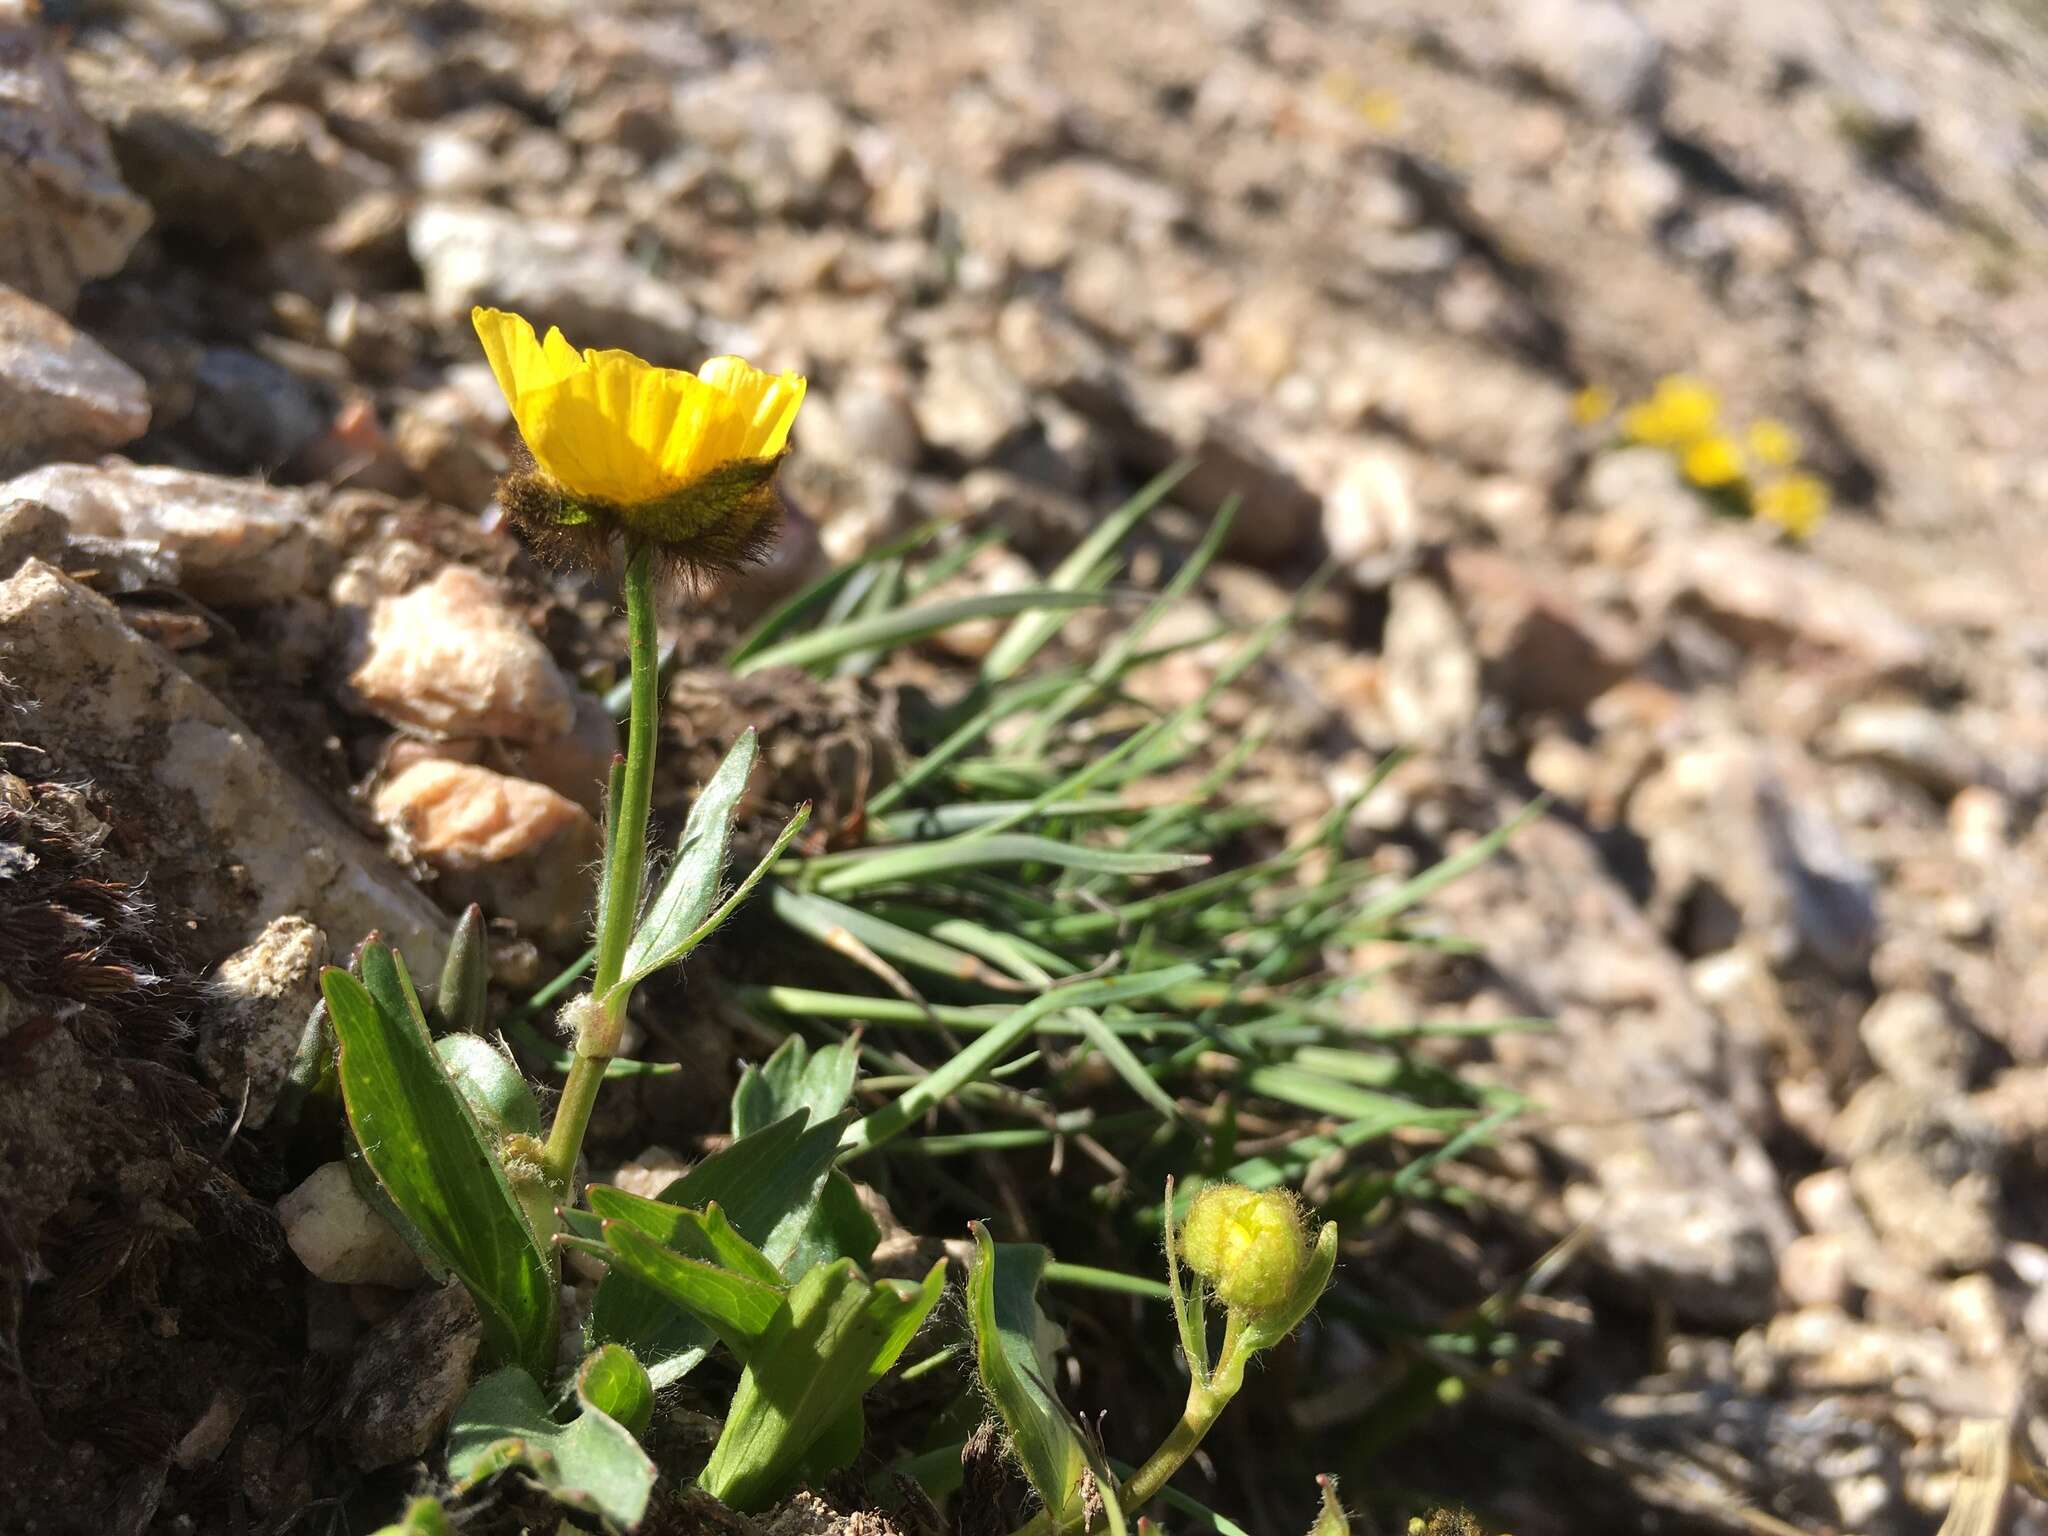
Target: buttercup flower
[
  {"x": 682, "y": 461},
  {"x": 1773, "y": 442},
  {"x": 1712, "y": 462},
  {"x": 1796, "y": 503},
  {"x": 1680, "y": 410}
]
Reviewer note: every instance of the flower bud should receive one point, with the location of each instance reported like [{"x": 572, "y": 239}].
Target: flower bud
[{"x": 1248, "y": 1244}]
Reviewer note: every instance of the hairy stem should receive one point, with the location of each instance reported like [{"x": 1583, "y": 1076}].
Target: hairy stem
[{"x": 601, "y": 1024}]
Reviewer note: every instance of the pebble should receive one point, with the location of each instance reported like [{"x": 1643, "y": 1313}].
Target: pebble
[
  {"x": 262, "y": 997},
  {"x": 235, "y": 541},
  {"x": 452, "y": 658},
  {"x": 61, "y": 392},
  {"x": 339, "y": 1237}
]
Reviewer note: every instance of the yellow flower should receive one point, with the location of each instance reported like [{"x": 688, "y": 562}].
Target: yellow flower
[
  {"x": 1247, "y": 1244},
  {"x": 1712, "y": 462},
  {"x": 1681, "y": 410},
  {"x": 1773, "y": 443},
  {"x": 1797, "y": 503},
  {"x": 683, "y": 461},
  {"x": 1592, "y": 405}
]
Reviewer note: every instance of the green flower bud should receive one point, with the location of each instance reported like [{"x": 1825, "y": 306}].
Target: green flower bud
[{"x": 1248, "y": 1244}]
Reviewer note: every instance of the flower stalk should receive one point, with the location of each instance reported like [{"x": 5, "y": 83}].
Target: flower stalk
[{"x": 601, "y": 1018}]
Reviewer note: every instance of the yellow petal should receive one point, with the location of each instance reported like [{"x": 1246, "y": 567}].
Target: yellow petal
[
  {"x": 622, "y": 431},
  {"x": 767, "y": 401},
  {"x": 519, "y": 362}
]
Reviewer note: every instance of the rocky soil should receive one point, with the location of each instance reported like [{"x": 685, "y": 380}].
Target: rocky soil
[{"x": 270, "y": 677}]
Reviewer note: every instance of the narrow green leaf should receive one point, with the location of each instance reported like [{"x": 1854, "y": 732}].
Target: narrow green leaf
[
  {"x": 817, "y": 597},
  {"x": 701, "y": 1234},
  {"x": 982, "y": 1055},
  {"x": 1087, "y": 567},
  {"x": 465, "y": 978},
  {"x": 826, "y": 920},
  {"x": 738, "y": 1308},
  {"x": 1013, "y": 1347},
  {"x": 691, "y": 889},
  {"x": 592, "y": 1464},
  {"x": 420, "y": 1138},
  {"x": 854, "y": 872},
  {"x": 905, "y": 624},
  {"x": 838, "y": 1336}
]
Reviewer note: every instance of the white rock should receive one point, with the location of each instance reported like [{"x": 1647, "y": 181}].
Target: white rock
[
  {"x": 339, "y": 1236},
  {"x": 236, "y": 542},
  {"x": 64, "y": 214},
  {"x": 1370, "y": 521},
  {"x": 61, "y": 391},
  {"x": 451, "y": 657},
  {"x": 1430, "y": 674},
  {"x": 567, "y": 272},
  {"x": 1596, "y": 51},
  {"x": 263, "y": 996},
  {"x": 233, "y": 838}
]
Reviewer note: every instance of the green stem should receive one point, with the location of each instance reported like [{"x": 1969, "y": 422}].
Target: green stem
[
  {"x": 603, "y": 1020},
  {"x": 1206, "y": 1403}
]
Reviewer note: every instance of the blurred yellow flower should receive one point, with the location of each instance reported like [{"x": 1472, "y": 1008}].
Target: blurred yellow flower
[
  {"x": 1680, "y": 410},
  {"x": 1796, "y": 503},
  {"x": 1712, "y": 462},
  {"x": 611, "y": 428},
  {"x": 1592, "y": 405},
  {"x": 1773, "y": 443}
]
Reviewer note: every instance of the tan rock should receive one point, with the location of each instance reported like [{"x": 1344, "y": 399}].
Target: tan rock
[
  {"x": 340, "y": 1237},
  {"x": 236, "y": 542},
  {"x": 264, "y": 995},
  {"x": 64, "y": 214},
  {"x": 61, "y": 391},
  {"x": 518, "y": 848},
  {"x": 451, "y": 658}
]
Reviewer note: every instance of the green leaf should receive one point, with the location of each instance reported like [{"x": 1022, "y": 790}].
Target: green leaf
[
  {"x": 837, "y": 1226},
  {"x": 1086, "y": 568},
  {"x": 703, "y": 1234},
  {"x": 420, "y": 1138},
  {"x": 854, "y": 872},
  {"x": 1013, "y": 1345},
  {"x": 794, "y": 1077},
  {"x": 592, "y": 1464},
  {"x": 765, "y": 1184},
  {"x": 615, "y": 1384},
  {"x": 739, "y": 1309},
  {"x": 837, "y": 1337},
  {"x": 494, "y": 1087},
  {"x": 465, "y": 979},
  {"x": 903, "y": 624},
  {"x": 691, "y": 890},
  {"x": 423, "y": 1517}
]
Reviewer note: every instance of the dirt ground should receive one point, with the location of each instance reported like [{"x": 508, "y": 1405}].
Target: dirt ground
[{"x": 1365, "y": 263}]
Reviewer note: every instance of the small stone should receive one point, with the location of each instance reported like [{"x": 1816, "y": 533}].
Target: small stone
[
  {"x": 969, "y": 404},
  {"x": 1814, "y": 1270},
  {"x": 409, "y": 1374},
  {"x": 519, "y": 849},
  {"x": 209, "y": 1436},
  {"x": 573, "y": 273},
  {"x": 874, "y": 414},
  {"x": 250, "y": 412},
  {"x": 1781, "y": 600},
  {"x": 1370, "y": 521},
  {"x": 1980, "y": 822},
  {"x": 1916, "y": 1042},
  {"x": 264, "y": 995},
  {"x": 65, "y": 217},
  {"x": 1595, "y": 51},
  {"x": 61, "y": 392},
  {"x": 340, "y": 1237},
  {"x": 451, "y": 657},
  {"x": 440, "y": 439},
  {"x": 1974, "y": 1314},
  {"x": 1911, "y": 741},
  {"x": 1429, "y": 682},
  {"x": 236, "y": 542},
  {"x": 1542, "y": 647},
  {"x": 579, "y": 764}
]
